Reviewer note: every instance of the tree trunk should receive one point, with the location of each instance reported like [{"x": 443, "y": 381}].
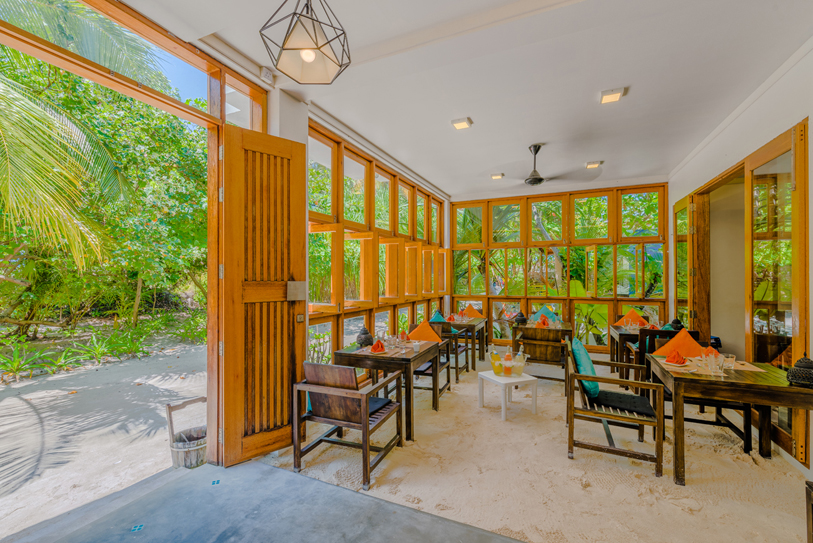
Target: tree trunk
[{"x": 137, "y": 301}]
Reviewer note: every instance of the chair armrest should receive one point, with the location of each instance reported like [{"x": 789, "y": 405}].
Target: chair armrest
[
  {"x": 621, "y": 365},
  {"x": 620, "y": 382},
  {"x": 369, "y": 390},
  {"x": 304, "y": 386}
]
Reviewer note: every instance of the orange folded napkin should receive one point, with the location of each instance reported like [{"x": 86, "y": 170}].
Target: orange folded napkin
[
  {"x": 542, "y": 322},
  {"x": 473, "y": 313},
  {"x": 378, "y": 347},
  {"x": 653, "y": 327},
  {"x": 683, "y": 344},
  {"x": 462, "y": 313},
  {"x": 403, "y": 335},
  {"x": 424, "y": 332},
  {"x": 676, "y": 359},
  {"x": 450, "y": 319},
  {"x": 710, "y": 351},
  {"x": 633, "y": 317}
]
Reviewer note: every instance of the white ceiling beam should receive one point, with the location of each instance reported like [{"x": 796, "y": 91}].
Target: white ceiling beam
[{"x": 459, "y": 27}]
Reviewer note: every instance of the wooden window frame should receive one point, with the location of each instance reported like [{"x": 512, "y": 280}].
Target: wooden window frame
[
  {"x": 336, "y": 202},
  {"x": 429, "y": 276},
  {"x": 411, "y": 206},
  {"x": 442, "y": 281},
  {"x": 483, "y": 232},
  {"x": 368, "y": 280},
  {"x": 612, "y": 216},
  {"x": 435, "y": 204},
  {"x": 523, "y": 223},
  {"x": 662, "y": 216},
  {"x": 523, "y": 306},
  {"x": 395, "y": 270},
  {"x": 413, "y": 270},
  {"x": 528, "y": 230},
  {"x": 336, "y": 268},
  {"x": 368, "y": 166},
  {"x": 427, "y": 198},
  {"x": 393, "y": 229}
]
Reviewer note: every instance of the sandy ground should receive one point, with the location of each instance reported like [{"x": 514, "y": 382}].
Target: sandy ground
[
  {"x": 514, "y": 477},
  {"x": 60, "y": 449}
]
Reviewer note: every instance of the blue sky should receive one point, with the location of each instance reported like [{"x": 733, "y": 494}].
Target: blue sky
[{"x": 190, "y": 82}]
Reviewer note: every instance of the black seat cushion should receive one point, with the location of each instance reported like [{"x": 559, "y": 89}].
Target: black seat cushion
[
  {"x": 377, "y": 404},
  {"x": 626, "y": 402}
]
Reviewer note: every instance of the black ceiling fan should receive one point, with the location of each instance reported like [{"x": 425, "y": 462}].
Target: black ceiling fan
[{"x": 535, "y": 179}]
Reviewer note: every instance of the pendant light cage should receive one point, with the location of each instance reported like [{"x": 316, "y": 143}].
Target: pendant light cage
[{"x": 309, "y": 44}]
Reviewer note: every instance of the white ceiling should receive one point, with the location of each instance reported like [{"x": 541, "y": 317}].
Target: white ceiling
[{"x": 530, "y": 71}]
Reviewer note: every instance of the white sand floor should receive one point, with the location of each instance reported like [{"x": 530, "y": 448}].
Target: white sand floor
[
  {"x": 514, "y": 477},
  {"x": 60, "y": 450}
]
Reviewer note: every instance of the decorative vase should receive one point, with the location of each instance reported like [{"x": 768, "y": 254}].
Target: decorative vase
[
  {"x": 801, "y": 373},
  {"x": 521, "y": 319},
  {"x": 677, "y": 325},
  {"x": 364, "y": 339}
]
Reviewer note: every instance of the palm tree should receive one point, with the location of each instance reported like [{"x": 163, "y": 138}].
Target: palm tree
[{"x": 50, "y": 162}]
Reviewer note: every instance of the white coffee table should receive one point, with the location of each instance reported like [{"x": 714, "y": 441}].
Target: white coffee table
[{"x": 508, "y": 383}]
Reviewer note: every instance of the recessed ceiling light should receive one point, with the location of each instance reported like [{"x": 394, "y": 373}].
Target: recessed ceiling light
[
  {"x": 613, "y": 95},
  {"x": 497, "y": 175},
  {"x": 462, "y": 124},
  {"x": 592, "y": 165}
]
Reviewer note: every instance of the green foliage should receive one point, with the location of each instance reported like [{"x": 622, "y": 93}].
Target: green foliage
[
  {"x": 127, "y": 344},
  {"x": 98, "y": 349},
  {"x": 193, "y": 329},
  {"x": 21, "y": 361},
  {"x": 319, "y": 344},
  {"x": 65, "y": 360}
]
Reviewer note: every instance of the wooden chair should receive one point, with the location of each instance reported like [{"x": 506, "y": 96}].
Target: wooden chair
[
  {"x": 621, "y": 409},
  {"x": 718, "y": 405},
  {"x": 335, "y": 399},
  {"x": 425, "y": 370},
  {"x": 542, "y": 345},
  {"x": 455, "y": 346}
]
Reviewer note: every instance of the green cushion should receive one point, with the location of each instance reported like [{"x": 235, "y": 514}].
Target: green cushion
[{"x": 585, "y": 365}]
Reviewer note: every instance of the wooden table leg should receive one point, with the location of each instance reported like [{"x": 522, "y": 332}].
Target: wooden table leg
[
  {"x": 408, "y": 411},
  {"x": 764, "y": 430},
  {"x": 746, "y": 429},
  {"x": 483, "y": 343},
  {"x": 613, "y": 344},
  {"x": 678, "y": 443},
  {"x": 472, "y": 339},
  {"x": 436, "y": 382}
]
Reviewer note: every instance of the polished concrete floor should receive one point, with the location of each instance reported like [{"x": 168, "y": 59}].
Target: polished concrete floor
[{"x": 254, "y": 502}]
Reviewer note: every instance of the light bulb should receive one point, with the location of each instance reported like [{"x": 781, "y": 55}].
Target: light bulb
[{"x": 307, "y": 55}]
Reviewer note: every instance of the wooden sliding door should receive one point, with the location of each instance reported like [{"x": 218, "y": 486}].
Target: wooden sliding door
[{"x": 263, "y": 273}]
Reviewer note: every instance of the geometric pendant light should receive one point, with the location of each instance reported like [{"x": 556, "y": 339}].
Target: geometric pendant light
[{"x": 309, "y": 45}]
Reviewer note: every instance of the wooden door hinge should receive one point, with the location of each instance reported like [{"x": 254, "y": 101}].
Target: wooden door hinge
[
  {"x": 220, "y": 194},
  {"x": 220, "y": 348},
  {"x": 692, "y": 272},
  {"x": 220, "y": 435},
  {"x": 693, "y": 229},
  {"x": 220, "y": 152},
  {"x": 220, "y": 271},
  {"x": 691, "y": 207},
  {"x": 794, "y": 448}
]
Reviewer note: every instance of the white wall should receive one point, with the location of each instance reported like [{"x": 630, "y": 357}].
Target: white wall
[
  {"x": 784, "y": 100},
  {"x": 727, "y": 243}
]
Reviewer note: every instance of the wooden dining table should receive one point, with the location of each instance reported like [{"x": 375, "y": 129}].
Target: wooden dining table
[
  {"x": 763, "y": 389},
  {"x": 619, "y": 336},
  {"x": 394, "y": 360},
  {"x": 476, "y": 337}
]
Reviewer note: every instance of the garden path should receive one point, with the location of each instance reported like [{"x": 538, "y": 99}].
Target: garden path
[{"x": 71, "y": 438}]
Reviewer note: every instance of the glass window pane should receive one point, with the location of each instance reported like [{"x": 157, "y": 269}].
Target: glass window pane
[
  {"x": 639, "y": 214},
  {"x": 515, "y": 271},
  {"x": 627, "y": 272},
  {"x": 469, "y": 225},
  {"x": 463, "y": 304},
  {"x": 382, "y": 201},
  {"x": 537, "y": 285},
  {"x": 505, "y": 223},
  {"x": 496, "y": 272},
  {"x": 650, "y": 312},
  {"x": 382, "y": 323},
  {"x": 653, "y": 270},
  {"x": 434, "y": 223},
  {"x": 502, "y": 318},
  {"x": 403, "y": 209},
  {"x": 420, "y": 313},
  {"x": 771, "y": 282},
  {"x": 682, "y": 275},
  {"x": 591, "y": 217},
  {"x": 576, "y": 277},
  {"x": 460, "y": 262},
  {"x": 591, "y": 323},
  {"x": 421, "y": 218},
  {"x": 95, "y": 37},
  {"x": 434, "y": 305},
  {"x": 478, "y": 272},
  {"x": 354, "y": 174},
  {"x": 604, "y": 271},
  {"x": 382, "y": 270},
  {"x": 352, "y": 269},
  {"x": 546, "y": 221},
  {"x": 352, "y": 327},
  {"x": 238, "y": 108},
  {"x": 403, "y": 319},
  {"x": 682, "y": 222},
  {"x": 556, "y": 271},
  {"x": 319, "y": 273},
  {"x": 320, "y": 160},
  {"x": 320, "y": 343}
]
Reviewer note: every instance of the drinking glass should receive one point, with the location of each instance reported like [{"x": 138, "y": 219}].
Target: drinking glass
[
  {"x": 730, "y": 361},
  {"x": 719, "y": 364}
]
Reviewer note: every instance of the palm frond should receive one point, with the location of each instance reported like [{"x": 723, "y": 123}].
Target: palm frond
[{"x": 47, "y": 162}]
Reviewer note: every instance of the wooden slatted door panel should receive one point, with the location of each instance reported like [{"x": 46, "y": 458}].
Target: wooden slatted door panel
[{"x": 264, "y": 220}]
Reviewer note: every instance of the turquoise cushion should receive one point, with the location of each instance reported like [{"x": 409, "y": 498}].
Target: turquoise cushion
[
  {"x": 455, "y": 331},
  {"x": 585, "y": 365},
  {"x": 437, "y": 317},
  {"x": 667, "y": 327}
]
